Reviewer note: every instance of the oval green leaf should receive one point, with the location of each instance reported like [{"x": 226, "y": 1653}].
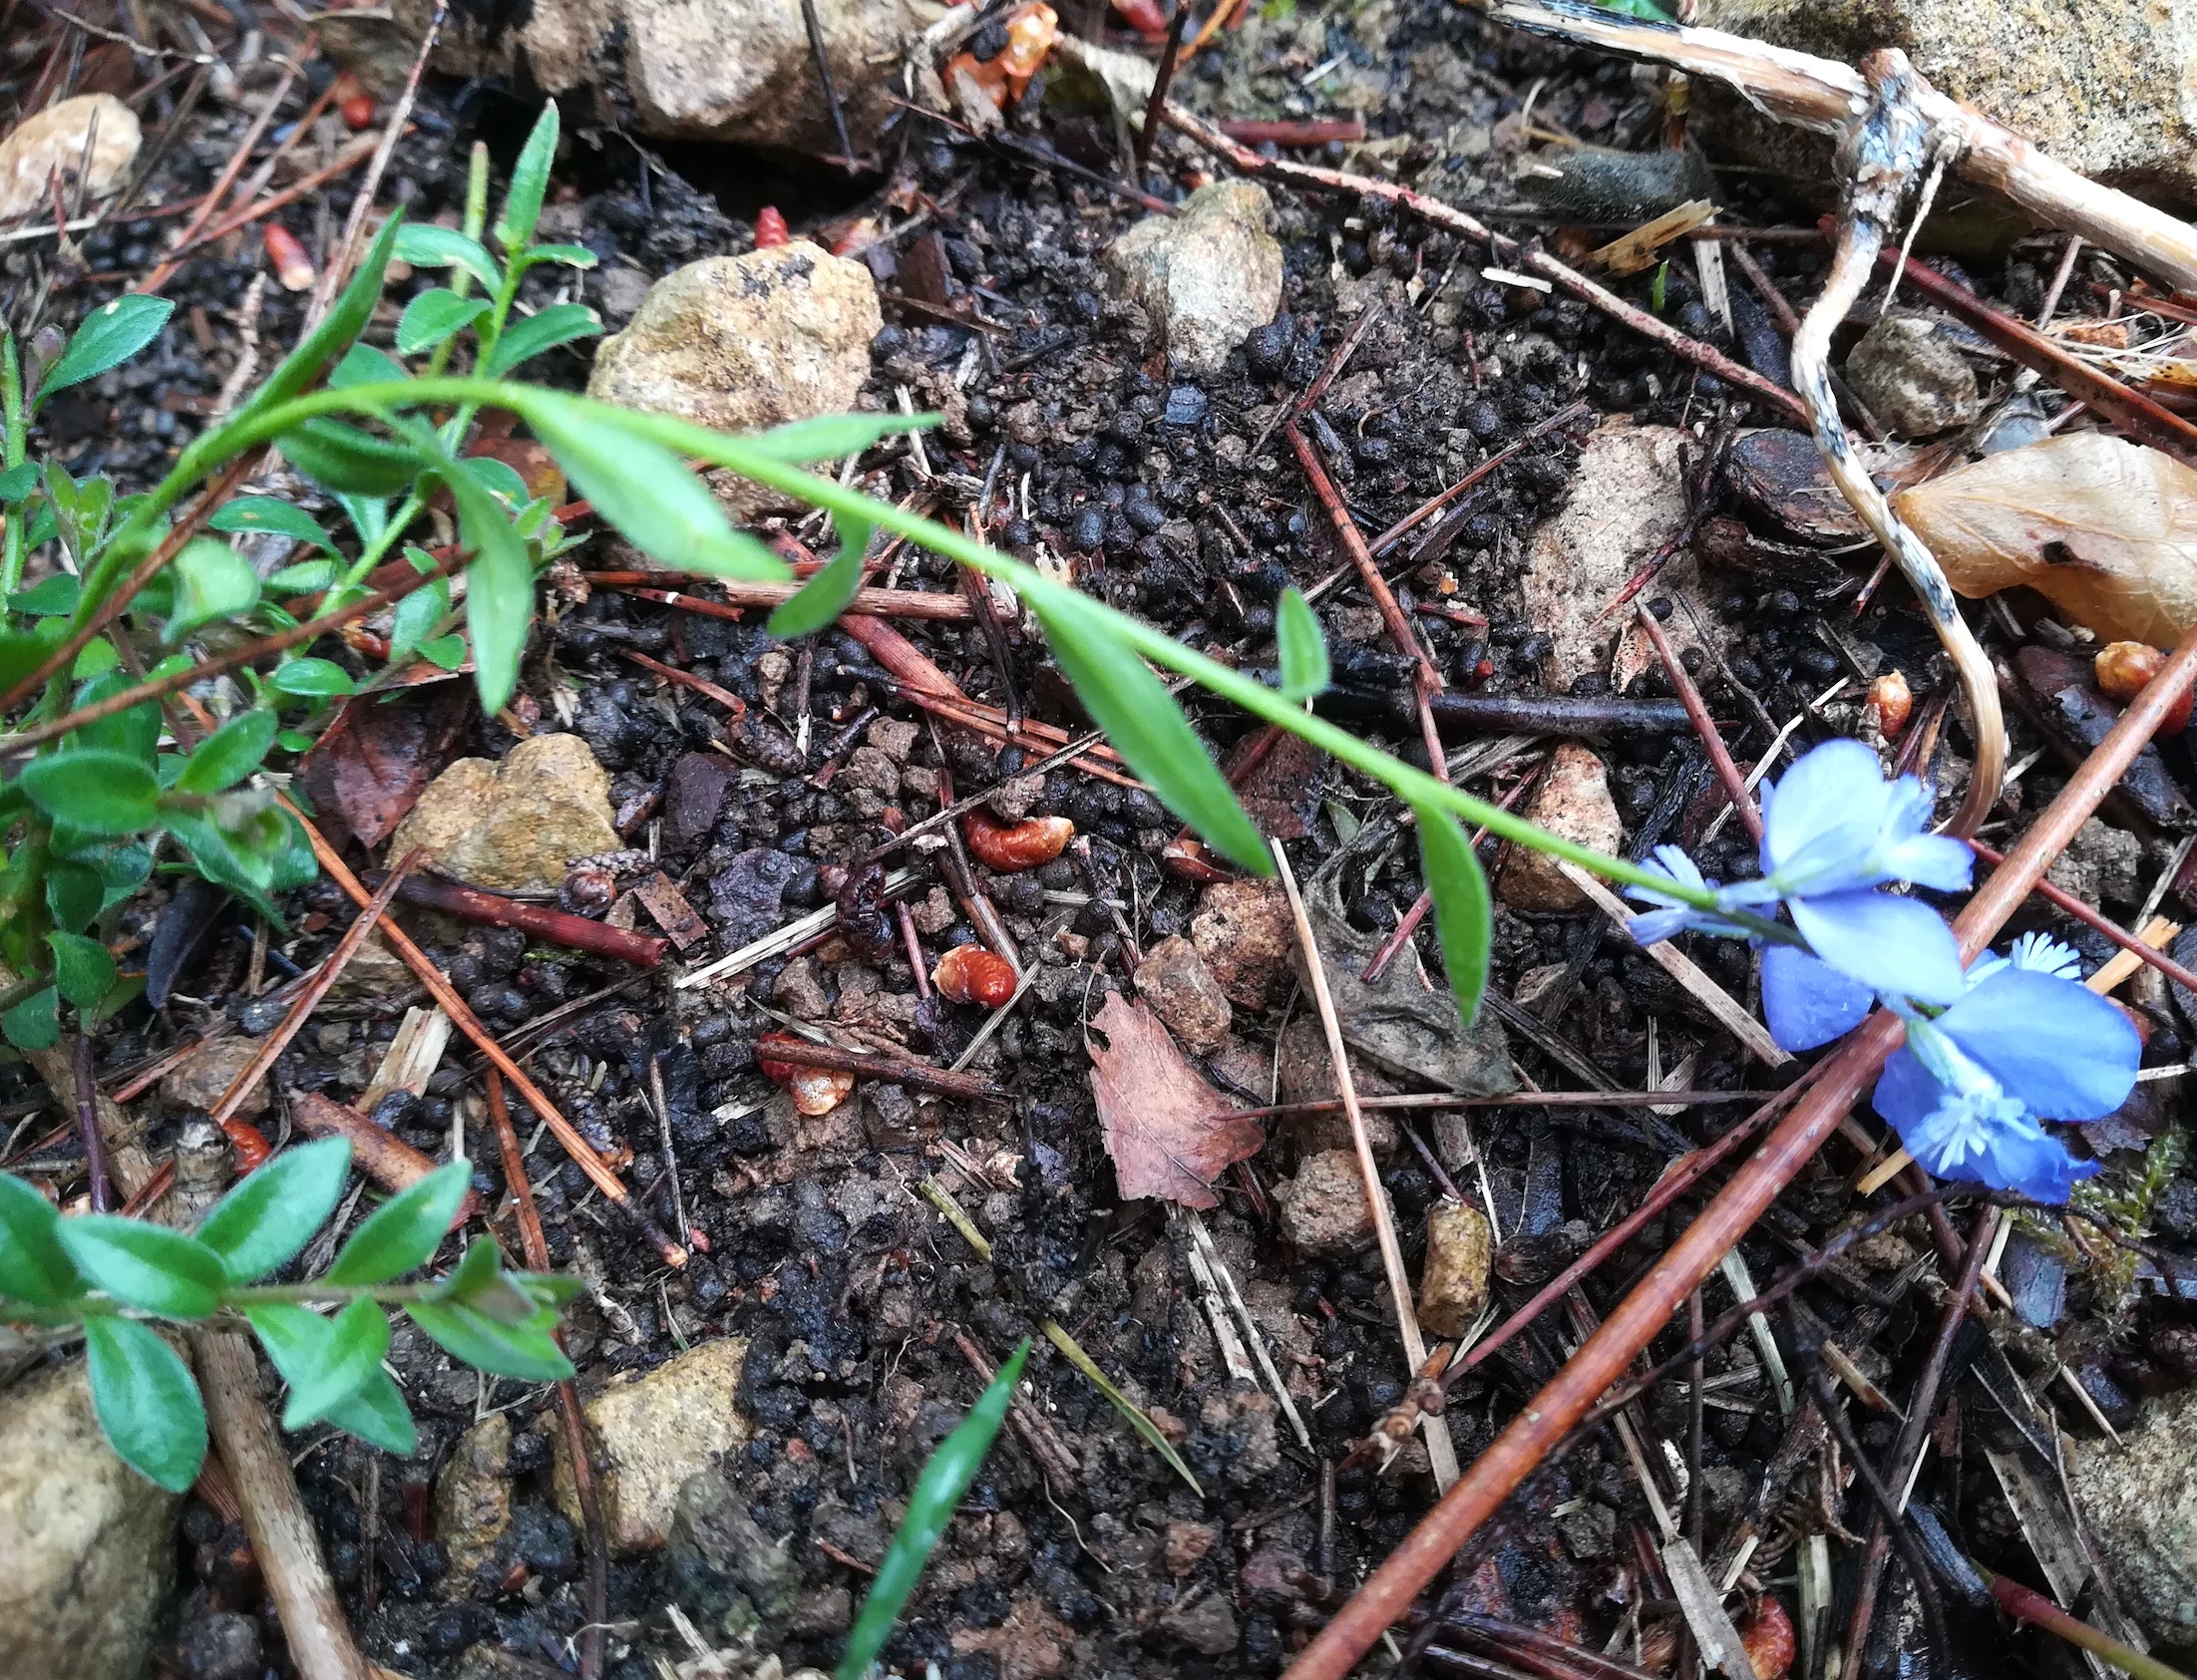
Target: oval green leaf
[
  {"x": 145, "y": 1266},
  {"x": 93, "y": 788},
  {"x": 358, "y": 1337},
  {"x": 526, "y": 1352},
  {"x": 145, "y": 1401},
  {"x": 346, "y": 460},
  {"x": 426, "y": 246},
  {"x": 1303, "y": 650},
  {"x": 272, "y": 1212},
  {"x": 110, "y": 335},
  {"x": 34, "y": 1268},
  {"x": 545, "y": 329},
  {"x": 83, "y": 971},
  {"x": 405, "y": 1230},
  {"x": 310, "y": 678},
  {"x": 230, "y": 753},
  {"x": 434, "y": 316}
]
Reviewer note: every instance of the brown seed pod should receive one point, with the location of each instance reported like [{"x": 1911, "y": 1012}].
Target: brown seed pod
[
  {"x": 2124, "y": 669},
  {"x": 816, "y": 1090},
  {"x": 1893, "y": 702},
  {"x": 1768, "y": 1638},
  {"x": 1007, "y": 847},
  {"x": 971, "y": 974}
]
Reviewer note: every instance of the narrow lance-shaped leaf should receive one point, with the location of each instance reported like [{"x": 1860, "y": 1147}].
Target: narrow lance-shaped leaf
[
  {"x": 545, "y": 329},
  {"x": 145, "y": 1401},
  {"x": 1464, "y": 919},
  {"x": 270, "y": 514},
  {"x": 499, "y": 587},
  {"x": 529, "y": 180},
  {"x": 404, "y": 1231},
  {"x": 1143, "y": 723},
  {"x": 348, "y": 460},
  {"x": 525, "y": 1352},
  {"x": 945, "y": 1478},
  {"x": 434, "y": 315},
  {"x": 825, "y": 596},
  {"x": 1303, "y": 650},
  {"x": 645, "y": 491},
  {"x": 827, "y": 437}
]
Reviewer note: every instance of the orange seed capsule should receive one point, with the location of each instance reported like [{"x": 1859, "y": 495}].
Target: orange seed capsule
[
  {"x": 1768, "y": 1639},
  {"x": 816, "y": 1090},
  {"x": 358, "y": 110},
  {"x": 2124, "y": 669},
  {"x": 971, "y": 974},
  {"x": 770, "y": 227},
  {"x": 291, "y": 265},
  {"x": 1008, "y": 846},
  {"x": 1893, "y": 702}
]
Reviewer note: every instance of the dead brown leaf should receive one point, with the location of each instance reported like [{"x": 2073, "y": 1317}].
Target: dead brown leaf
[
  {"x": 1162, "y": 1120},
  {"x": 371, "y": 765}
]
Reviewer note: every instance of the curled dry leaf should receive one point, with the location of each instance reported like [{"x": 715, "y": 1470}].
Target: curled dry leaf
[
  {"x": 54, "y": 139},
  {"x": 2106, "y": 530},
  {"x": 1162, "y": 1122}
]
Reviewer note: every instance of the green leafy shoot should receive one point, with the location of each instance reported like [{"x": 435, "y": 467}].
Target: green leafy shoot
[
  {"x": 825, "y": 596},
  {"x": 529, "y": 180},
  {"x": 945, "y": 1476},
  {"x": 109, "y": 336},
  {"x": 1303, "y": 650},
  {"x": 1464, "y": 917}
]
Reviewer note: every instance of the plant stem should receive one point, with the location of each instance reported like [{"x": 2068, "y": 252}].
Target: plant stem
[
  {"x": 11, "y": 455},
  {"x": 2023, "y": 1606}
]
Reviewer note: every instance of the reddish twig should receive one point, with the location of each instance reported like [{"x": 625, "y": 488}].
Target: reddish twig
[
  {"x": 378, "y": 1152},
  {"x": 1141, "y": 154},
  {"x": 864, "y": 1064},
  {"x": 876, "y": 603},
  {"x": 1696, "y": 710},
  {"x": 166, "y": 268},
  {"x": 2061, "y": 899},
  {"x": 1298, "y": 131},
  {"x": 1840, "y": 1080},
  {"x": 567, "y": 1134},
  {"x": 87, "y": 1120},
  {"x": 493, "y": 909},
  {"x": 533, "y": 1247}
]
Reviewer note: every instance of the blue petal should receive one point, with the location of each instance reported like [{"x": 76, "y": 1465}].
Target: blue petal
[
  {"x": 1905, "y": 1094},
  {"x": 2037, "y": 1165},
  {"x": 1937, "y": 860},
  {"x": 1832, "y": 800},
  {"x": 1654, "y": 927},
  {"x": 1890, "y": 944},
  {"x": 1807, "y": 1002},
  {"x": 2065, "y": 1052}
]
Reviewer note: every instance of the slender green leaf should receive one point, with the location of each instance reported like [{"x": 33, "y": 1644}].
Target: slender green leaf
[
  {"x": 1303, "y": 652},
  {"x": 34, "y": 1268},
  {"x": 35, "y": 1023},
  {"x": 307, "y": 578},
  {"x": 526, "y": 1352},
  {"x": 358, "y": 1338},
  {"x": 434, "y": 316},
  {"x": 82, "y": 968},
  {"x": 529, "y": 180},
  {"x": 945, "y": 1476},
  {"x": 426, "y": 246},
  {"x": 271, "y": 1212},
  {"x": 405, "y": 1230},
  {"x": 270, "y": 514},
  {"x": 312, "y": 678},
  {"x": 498, "y": 588},
  {"x": 377, "y": 1416},
  {"x": 230, "y": 753},
  {"x": 827, "y": 437},
  {"x": 1464, "y": 919},
  {"x": 644, "y": 490},
  {"x": 326, "y": 343},
  {"x": 572, "y": 256},
  {"x": 211, "y": 581},
  {"x": 145, "y": 1266},
  {"x": 545, "y": 329},
  {"x": 145, "y": 1401},
  {"x": 362, "y": 364},
  {"x": 95, "y": 789},
  {"x": 825, "y": 596},
  {"x": 343, "y": 458},
  {"x": 480, "y": 1283},
  {"x": 19, "y": 481},
  {"x": 110, "y": 335},
  {"x": 1143, "y": 723}
]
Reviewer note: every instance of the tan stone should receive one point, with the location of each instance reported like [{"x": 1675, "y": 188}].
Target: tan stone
[
  {"x": 1208, "y": 276},
  {"x": 1573, "y": 801},
  {"x": 1323, "y": 1208},
  {"x": 740, "y": 343},
  {"x": 1244, "y": 932},
  {"x": 55, "y": 139},
  {"x": 89, "y": 1542},
  {"x": 656, "y": 1430},
  {"x": 1453, "y": 1286},
  {"x": 512, "y": 827},
  {"x": 1175, "y": 981},
  {"x": 202, "y": 1079},
  {"x": 473, "y": 1502}
]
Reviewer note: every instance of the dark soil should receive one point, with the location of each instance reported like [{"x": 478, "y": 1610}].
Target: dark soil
[{"x": 849, "y": 1290}]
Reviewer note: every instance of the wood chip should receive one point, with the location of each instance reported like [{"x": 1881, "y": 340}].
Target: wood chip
[
  {"x": 664, "y": 901},
  {"x": 411, "y": 1057}
]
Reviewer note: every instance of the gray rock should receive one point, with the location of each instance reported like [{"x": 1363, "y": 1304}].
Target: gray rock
[
  {"x": 1207, "y": 277},
  {"x": 2140, "y": 1503},
  {"x": 2101, "y": 865},
  {"x": 723, "y": 1569},
  {"x": 1203, "y": 1624},
  {"x": 734, "y": 71},
  {"x": 1912, "y": 378},
  {"x": 2108, "y": 88},
  {"x": 654, "y": 1434},
  {"x": 1323, "y": 1208},
  {"x": 89, "y": 1542}
]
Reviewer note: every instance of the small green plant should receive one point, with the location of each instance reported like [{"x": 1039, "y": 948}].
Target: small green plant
[
  {"x": 945, "y": 1476},
  {"x": 115, "y": 1278}
]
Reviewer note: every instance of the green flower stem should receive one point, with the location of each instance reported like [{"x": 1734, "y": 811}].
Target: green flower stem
[
  {"x": 476, "y": 221},
  {"x": 11, "y": 454},
  {"x": 234, "y": 1300},
  {"x": 1414, "y": 786}
]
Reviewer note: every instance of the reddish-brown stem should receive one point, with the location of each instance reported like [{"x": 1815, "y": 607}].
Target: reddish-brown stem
[
  {"x": 1840, "y": 1081},
  {"x": 493, "y": 909},
  {"x": 381, "y": 1155},
  {"x": 1301, "y": 132},
  {"x": 533, "y": 1247},
  {"x": 863, "y": 1065},
  {"x": 567, "y": 1134},
  {"x": 689, "y": 680},
  {"x": 914, "y": 949},
  {"x": 87, "y": 1118},
  {"x": 2061, "y": 899},
  {"x": 1696, "y": 710},
  {"x": 885, "y": 603},
  {"x": 176, "y": 682}
]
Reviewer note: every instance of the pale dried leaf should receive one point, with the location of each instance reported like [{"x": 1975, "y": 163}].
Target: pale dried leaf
[
  {"x": 2106, "y": 530},
  {"x": 1161, "y": 1119}
]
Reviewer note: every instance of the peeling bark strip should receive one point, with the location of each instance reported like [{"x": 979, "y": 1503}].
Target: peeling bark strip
[{"x": 1602, "y": 1360}]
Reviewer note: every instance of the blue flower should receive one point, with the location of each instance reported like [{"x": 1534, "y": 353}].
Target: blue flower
[
  {"x": 1677, "y": 915},
  {"x": 2027, "y": 1042}
]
